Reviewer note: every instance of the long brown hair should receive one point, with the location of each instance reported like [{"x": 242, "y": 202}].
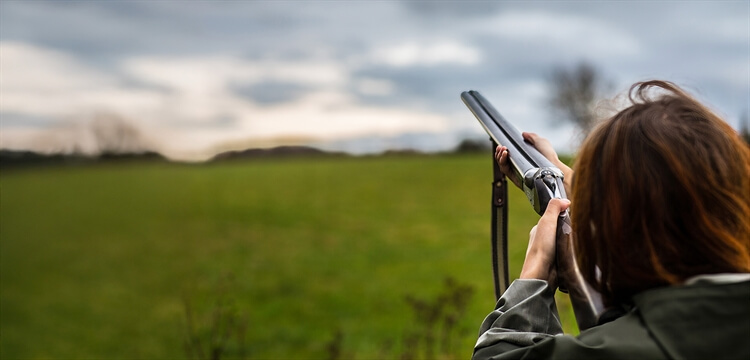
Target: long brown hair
[{"x": 661, "y": 192}]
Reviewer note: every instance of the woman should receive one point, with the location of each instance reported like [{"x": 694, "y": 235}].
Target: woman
[{"x": 661, "y": 218}]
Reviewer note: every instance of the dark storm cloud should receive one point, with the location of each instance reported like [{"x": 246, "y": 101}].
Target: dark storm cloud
[
  {"x": 113, "y": 29},
  {"x": 510, "y": 47},
  {"x": 436, "y": 86},
  {"x": 271, "y": 92},
  {"x": 453, "y": 9}
]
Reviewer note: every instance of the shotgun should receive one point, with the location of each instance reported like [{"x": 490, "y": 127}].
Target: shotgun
[{"x": 541, "y": 181}]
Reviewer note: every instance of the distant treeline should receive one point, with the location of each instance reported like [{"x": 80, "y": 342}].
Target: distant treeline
[{"x": 16, "y": 159}]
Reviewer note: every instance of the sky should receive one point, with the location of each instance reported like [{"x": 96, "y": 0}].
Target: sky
[{"x": 193, "y": 78}]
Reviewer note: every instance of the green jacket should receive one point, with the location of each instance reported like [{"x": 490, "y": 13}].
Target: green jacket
[{"x": 707, "y": 318}]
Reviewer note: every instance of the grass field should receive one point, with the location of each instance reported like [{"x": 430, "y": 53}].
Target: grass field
[{"x": 299, "y": 258}]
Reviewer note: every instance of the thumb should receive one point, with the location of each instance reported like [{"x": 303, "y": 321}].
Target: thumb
[
  {"x": 530, "y": 137},
  {"x": 554, "y": 208}
]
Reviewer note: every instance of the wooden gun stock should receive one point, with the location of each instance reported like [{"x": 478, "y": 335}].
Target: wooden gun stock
[{"x": 587, "y": 302}]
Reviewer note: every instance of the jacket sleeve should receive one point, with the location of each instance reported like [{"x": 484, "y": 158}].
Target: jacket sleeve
[{"x": 525, "y": 315}]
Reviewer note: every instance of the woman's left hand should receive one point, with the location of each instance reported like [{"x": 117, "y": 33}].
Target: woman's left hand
[{"x": 540, "y": 255}]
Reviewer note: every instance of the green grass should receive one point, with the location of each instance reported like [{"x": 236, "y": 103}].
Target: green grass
[{"x": 96, "y": 261}]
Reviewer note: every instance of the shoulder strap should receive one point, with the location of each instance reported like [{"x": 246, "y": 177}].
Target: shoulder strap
[{"x": 499, "y": 232}]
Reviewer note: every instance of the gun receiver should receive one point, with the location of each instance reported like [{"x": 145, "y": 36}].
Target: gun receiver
[{"x": 541, "y": 181}]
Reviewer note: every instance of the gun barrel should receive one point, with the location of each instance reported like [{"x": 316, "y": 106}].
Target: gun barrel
[
  {"x": 523, "y": 156},
  {"x": 541, "y": 180}
]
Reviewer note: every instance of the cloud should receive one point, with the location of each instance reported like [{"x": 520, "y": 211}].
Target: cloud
[
  {"x": 336, "y": 114},
  {"x": 206, "y": 72},
  {"x": 734, "y": 29},
  {"x": 375, "y": 87},
  {"x": 271, "y": 92},
  {"x": 191, "y": 103},
  {"x": 43, "y": 70},
  {"x": 566, "y": 34},
  {"x": 415, "y": 53},
  {"x": 40, "y": 82}
]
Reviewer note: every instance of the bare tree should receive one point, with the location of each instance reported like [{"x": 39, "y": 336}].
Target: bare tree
[
  {"x": 103, "y": 133},
  {"x": 574, "y": 93},
  {"x": 745, "y": 127}
]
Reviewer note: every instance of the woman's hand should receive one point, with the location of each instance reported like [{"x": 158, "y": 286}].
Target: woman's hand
[
  {"x": 501, "y": 156},
  {"x": 543, "y": 145},
  {"x": 540, "y": 255},
  {"x": 545, "y": 148}
]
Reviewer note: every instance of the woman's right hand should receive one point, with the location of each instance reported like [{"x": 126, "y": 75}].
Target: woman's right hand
[{"x": 542, "y": 249}]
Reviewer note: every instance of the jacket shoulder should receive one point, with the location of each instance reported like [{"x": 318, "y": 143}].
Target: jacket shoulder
[
  {"x": 699, "y": 321},
  {"x": 623, "y": 338}
]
